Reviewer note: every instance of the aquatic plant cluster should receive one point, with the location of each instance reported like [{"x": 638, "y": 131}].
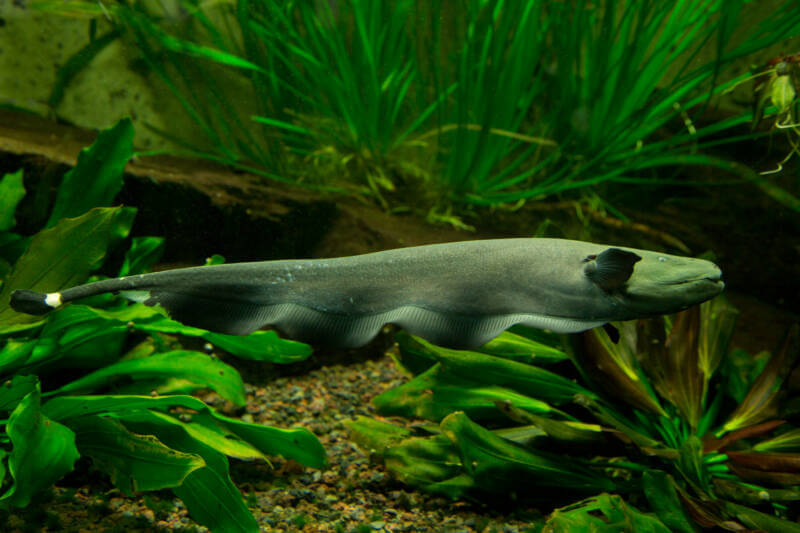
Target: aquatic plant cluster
[
  {"x": 440, "y": 103},
  {"x": 664, "y": 416},
  {"x": 108, "y": 380}
]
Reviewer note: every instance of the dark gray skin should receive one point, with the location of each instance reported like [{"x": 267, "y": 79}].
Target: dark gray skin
[{"x": 459, "y": 294}]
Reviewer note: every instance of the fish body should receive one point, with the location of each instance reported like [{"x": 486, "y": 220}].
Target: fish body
[{"x": 459, "y": 294}]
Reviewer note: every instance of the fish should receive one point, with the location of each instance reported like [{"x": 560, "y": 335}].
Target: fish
[{"x": 458, "y": 295}]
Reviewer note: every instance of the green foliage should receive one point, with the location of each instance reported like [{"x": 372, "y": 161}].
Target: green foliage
[
  {"x": 437, "y": 102},
  {"x": 661, "y": 415},
  {"x": 115, "y": 406}
]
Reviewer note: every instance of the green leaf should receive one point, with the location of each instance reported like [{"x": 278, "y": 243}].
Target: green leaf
[
  {"x": 431, "y": 464},
  {"x": 298, "y": 443},
  {"x": 604, "y": 513},
  {"x": 195, "y": 367},
  {"x": 663, "y": 499},
  {"x": 97, "y": 177},
  {"x": 11, "y": 192},
  {"x": 761, "y": 401},
  {"x": 375, "y": 435},
  {"x": 258, "y": 346},
  {"x": 61, "y": 257},
  {"x": 788, "y": 441},
  {"x": 134, "y": 462},
  {"x": 525, "y": 379},
  {"x": 142, "y": 255},
  {"x": 498, "y": 464},
  {"x": 518, "y": 348},
  {"x": 42, "y": 451},
  {"x": 15, "y": 389},
  {"x": 208, "y": 492},
  {"x": 436, "y": 393},
  {"x": 759, "y": 521}
]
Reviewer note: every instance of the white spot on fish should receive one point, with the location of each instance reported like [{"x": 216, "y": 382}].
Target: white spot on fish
[
  {"x": 662, "y": 259},
  {"x": 53, "y": 299}
]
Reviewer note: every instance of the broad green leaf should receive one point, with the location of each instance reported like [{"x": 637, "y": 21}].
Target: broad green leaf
[
  {"x": 782, "y": 93},
  {"x": 758, "y": 521},
  {"x": 11, "y": 192},
  {"x": 525, "y": 379},
  {"x": 297, "y": 443},
  {"x": 62, "y": 257},
  {"x": 196, "y": 367},
  {"x": 739, "y": 371},
  {"x": 663, "y": 499},
  {"x": 375, "y": 435},
  {"x": 134, "y": 462},
  {"x": 518, "y": 348},
  {"x": 498, "y": 464},
  {"x": 15, "y": 354},
  {"x": 42, "y": 451},
  {"x": 211, "y": 432},
  {"x": 258, "y": 346},
  {"x": 142, "y": 255},
  {"x": 431, "y": 464},
  {"x": 690, "y": 462},
  {"x": 208, "y": 492},
  {"x": 436, "y": 393},
  {"x": 604, "y": 513},
  {"x": 97, "y": 176},
  {"x": 563, "y": 430},
  {"x": 15, "y": 389}
]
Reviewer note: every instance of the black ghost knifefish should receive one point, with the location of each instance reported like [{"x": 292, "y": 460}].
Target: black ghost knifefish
[{"x": 459, "y": 294}]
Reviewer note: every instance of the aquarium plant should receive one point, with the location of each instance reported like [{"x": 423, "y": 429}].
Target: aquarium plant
[
  {"x": 442, "y": 104},
  {"x": 656, "y": 411},
  {"x": 108, "y": 380}
]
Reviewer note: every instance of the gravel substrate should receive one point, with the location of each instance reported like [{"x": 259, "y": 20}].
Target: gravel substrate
[{"x": 352, "y": 495}]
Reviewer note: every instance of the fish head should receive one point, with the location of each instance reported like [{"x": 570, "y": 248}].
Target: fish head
[{"x": 663, "y": 283}]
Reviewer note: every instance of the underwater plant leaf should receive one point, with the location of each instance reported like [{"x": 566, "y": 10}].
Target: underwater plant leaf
[
  {"x": 750, "y": 495},
  {"x": 563, "y": 430},
  {"x": 436, "y": 393},
  {"x": 498, "y": 464},
  {"x": 15, "y": 390},
  {"x": 613, "y": 367},
  {"x": 626, "y": 429},
  {"x": 142, "y": 255},
  {"x": 296, "y": 443},
  {"x": 42, "y": 451},
  {"x": 523, "y": 378},
  {"x": 717, "y": 323},
  {"x": 778, "y": 462},
  {"x": 431, "y": 464},
  {"x": 11, "y": 192},
  {"x": 14, "y": 355},
  {"x": 604, "y": 513},
  {"x": 761, "y": 401},
  {"x": 518, "y": 348},
  {"x": 61, "y": 257},
  {"x": 788, "y": 441},
  {"x": 134, "y": 462},
  {"x": 258, "y": 346},
  {"x": 375, "y": 435},
  {"x": 690, "y": 462},
  {"x": 196, "y": 367},
  {"x": 659, "y": 489},
  {"x": 712, "y": 444},
  {"x": 758, "y": 521},
  {"x": 739, "y": 371},
  {"x": 96, "y": 178},
  {"x": 208, "y": 492}
]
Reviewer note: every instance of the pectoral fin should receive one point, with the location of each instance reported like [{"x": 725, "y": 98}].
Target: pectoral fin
[{"x": 611, "y": 268}]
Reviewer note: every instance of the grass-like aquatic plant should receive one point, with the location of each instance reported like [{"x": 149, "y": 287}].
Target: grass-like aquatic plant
[
  {"x": 666, "y": 417},
  {"x": 481, "y": 102},
  {"x": 108, "y": 380}
]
